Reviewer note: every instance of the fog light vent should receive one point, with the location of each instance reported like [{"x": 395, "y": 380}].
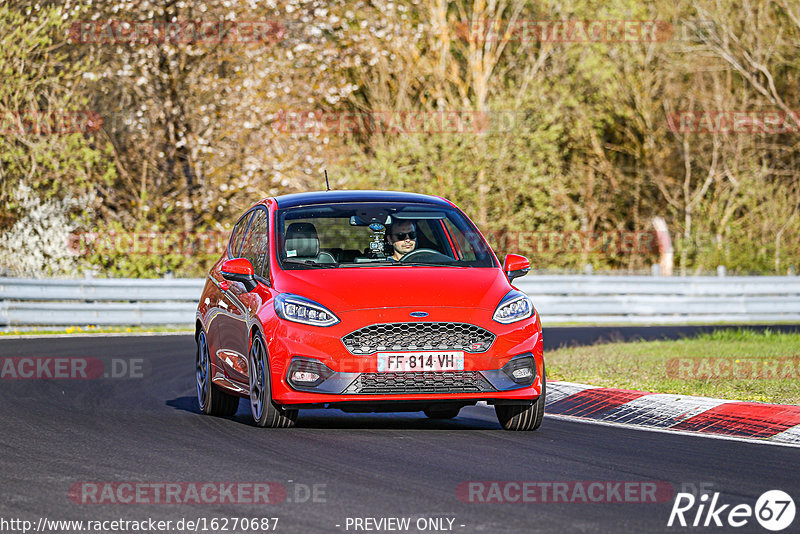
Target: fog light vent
[
  {"x": 307, "y": 373},
  {"x": 521, "y": 369}
]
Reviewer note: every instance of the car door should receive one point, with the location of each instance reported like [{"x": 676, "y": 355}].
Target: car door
[
  {"x": 228, "y": 316},
  {"x": 242, "y": 306},
  {"x": 217, "y": 304}
]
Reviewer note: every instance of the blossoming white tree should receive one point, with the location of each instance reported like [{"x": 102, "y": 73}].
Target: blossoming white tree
[{"x": 37, "y": 245}]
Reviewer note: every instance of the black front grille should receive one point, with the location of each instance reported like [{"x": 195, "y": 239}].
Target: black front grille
[
  {"x": 420, "y": 382},
  {"x": 418, "y": 336}
]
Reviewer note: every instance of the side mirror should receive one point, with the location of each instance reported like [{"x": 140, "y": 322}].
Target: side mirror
[
  {"x": 239, "y": 270},
  {"x": 516, "y": 266}
]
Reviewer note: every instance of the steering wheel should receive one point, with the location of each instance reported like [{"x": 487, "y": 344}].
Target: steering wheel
[{"x": 426, "y": 254}]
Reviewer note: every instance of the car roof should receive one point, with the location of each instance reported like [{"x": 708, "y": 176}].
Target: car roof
[{"x": 326, "y": 197}]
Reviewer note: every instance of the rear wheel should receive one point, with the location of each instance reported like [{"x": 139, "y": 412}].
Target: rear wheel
[
  {"x": 265, "y": 412},
  {"x": 442, "y": 413},
  {"x": 212, "y": 400},
  {"x": 523, "y": 417}
]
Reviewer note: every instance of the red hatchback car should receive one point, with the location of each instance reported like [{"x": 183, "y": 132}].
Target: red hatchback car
[{"x": 366, "y": 301}]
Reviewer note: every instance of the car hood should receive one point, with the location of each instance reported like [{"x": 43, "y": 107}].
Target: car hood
[{"x": 344, "y": 289}]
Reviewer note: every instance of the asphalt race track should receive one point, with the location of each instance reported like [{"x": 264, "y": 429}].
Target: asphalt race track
[{"x": 144, "y": 427}]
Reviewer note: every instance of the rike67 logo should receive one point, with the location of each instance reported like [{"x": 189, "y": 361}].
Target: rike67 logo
[{"x": 774, "y": 510}]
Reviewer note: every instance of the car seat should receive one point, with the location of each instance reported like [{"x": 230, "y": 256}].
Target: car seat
[{"x": 302, "y": 243}]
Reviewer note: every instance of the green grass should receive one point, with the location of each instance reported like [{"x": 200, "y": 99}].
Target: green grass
[
  {"x": 700, "y": 368},
  {"x": 92, "y": 329}
]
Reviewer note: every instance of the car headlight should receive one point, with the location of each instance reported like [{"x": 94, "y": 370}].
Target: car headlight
[
  {"x": 302, "y": 310},
  {"x": 514, "y": 307}
]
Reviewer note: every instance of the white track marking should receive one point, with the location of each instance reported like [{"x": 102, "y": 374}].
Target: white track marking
[
  {"x": 662, "y": 409},
  {"x": 668, "y": 431},
  {"x": 790, "y": 435},
  {"x": 560, "y": 390}
]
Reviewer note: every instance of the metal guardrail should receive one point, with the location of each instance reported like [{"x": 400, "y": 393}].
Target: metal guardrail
[
  {"x": 654, "y": 299},
  {"x": 99, "y": 301},
  {"x": 102, "y": 289},
  {"x": 558, "y": 298}
]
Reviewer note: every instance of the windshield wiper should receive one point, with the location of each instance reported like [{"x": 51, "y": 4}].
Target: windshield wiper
[
  {"x": 311, "y": 262},
  {"x": 382, "y": 263},
  {"x": 365, "y": 263},
  {"x": 427, "y": 264}
]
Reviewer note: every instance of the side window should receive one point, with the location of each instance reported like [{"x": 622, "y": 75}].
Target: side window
[
  {"x": 254, "y": 245},
  {"x": 237, "y": 235}
]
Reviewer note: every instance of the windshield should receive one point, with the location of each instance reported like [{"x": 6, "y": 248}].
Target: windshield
[{"x": 366, "y": 234}]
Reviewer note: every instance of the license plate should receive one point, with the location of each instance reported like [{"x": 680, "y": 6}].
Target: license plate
[{"x": 394, "y": 362}]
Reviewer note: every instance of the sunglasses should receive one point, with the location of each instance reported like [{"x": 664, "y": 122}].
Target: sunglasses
[{"x": 402, "y": 236}]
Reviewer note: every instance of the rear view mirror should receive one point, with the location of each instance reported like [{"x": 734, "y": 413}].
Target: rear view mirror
[
  {"x": 239, "y": 270},
  {"x": 516, "y": 266}
]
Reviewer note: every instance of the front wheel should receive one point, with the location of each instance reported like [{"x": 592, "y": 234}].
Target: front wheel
[
  {"x": 211, "y": 399},
  {"x": 265, "y": 412},
  {"x": 523, "y": 417}
]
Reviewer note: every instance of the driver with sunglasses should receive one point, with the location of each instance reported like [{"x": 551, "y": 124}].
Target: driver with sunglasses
[{"x": 403, "y": 238}]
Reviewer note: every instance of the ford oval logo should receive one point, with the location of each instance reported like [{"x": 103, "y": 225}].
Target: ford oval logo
[{"x": 419, "y": 314}]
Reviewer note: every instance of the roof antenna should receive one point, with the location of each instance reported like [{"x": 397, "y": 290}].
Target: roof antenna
[{"x": 326, "y": 180}]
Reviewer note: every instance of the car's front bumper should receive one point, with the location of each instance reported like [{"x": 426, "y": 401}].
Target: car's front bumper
[{"x": 355, "y": 379}]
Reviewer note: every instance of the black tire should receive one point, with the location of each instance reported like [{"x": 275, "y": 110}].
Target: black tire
[
  {"x": 265, "y": 412},
  {"x": 523, "y": 417},
  {"x": 442, "y": 413},
  {"x": 211, "y": 399}
]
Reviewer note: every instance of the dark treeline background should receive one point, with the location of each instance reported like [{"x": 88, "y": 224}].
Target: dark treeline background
[{"x": 186, "y": 135}]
